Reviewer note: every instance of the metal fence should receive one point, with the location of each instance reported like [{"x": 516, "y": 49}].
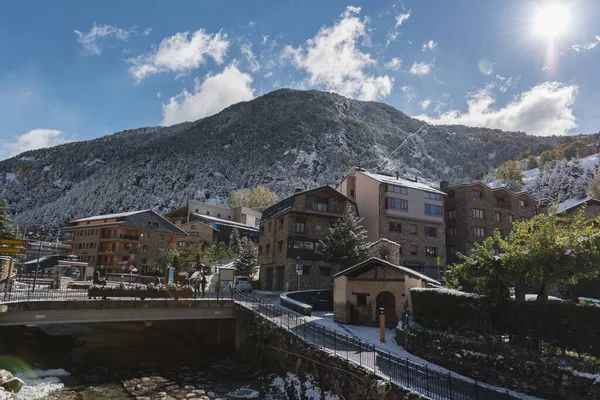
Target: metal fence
[{"x": 401, "y": 371}]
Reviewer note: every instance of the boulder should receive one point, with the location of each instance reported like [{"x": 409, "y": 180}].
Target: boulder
[
  {"x": 5, "y": 376},
  {"x": 13, "y": 385}
]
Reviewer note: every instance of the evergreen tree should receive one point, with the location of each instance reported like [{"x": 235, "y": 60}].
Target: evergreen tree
[
  {"x": 346, "y": 244},
  {"x": 234, "y": 241},
  {"x": 247, "y": 260},
  {"x": 532, "y": 162},
  {"x": 6, "y": 228}
]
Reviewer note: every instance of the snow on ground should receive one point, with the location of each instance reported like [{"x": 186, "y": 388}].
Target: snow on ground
[
  {"x": 370, "y": 334},
  {"x": 39, "y": 383},
  {"x": 302, "y": 390}
]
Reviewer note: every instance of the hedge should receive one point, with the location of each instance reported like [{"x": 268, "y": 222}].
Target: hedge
[{"x": 567, "y": 326}]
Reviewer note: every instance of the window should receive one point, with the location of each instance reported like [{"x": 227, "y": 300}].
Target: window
[
  {"x": 280, "y": 246},
  {"x": 396, "y": 189},
  {"x": 320, "y": 204},
  {"x": 452, "y": 232},
  {"x": 305, "y": 269},
  {"x": 476, "y": 194},
  {"x": 395, "y": 226},
  {"x": 497, "y": 217},
  {"x": 523, "y": 203},
  {"x": 393, "y": 203},
  {"x": 479, "y": 232},
  {"x": 430, "y": 231},
  {"x": 300, "y": 227},
  {"x": 510, "y": 218},
  {"x": 451, "y": 214},
  {"x": 477, "y": 213},
  {"x": 207, "y": 212},
  {"x": 325, "y": 271},
  {"x": 361, "y": 299},
  {"x": 351, "y": 192},
  {"x": 430, "y": 251},
  {"x": 499, "y": 199},
  {"x": 414, "y": 249},
  {"x": 453, "y": 250},
  {"x": 433, "y": 210},
  {"x": 433, "y": 196},
  {"x": 193, "y": 227},
  {"x": 197, "y": 210},
  {"x": 412, "y": 229}
]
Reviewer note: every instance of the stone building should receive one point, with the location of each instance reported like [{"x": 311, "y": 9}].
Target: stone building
[
  {"x": 360, "y": 291},
  {"x": 475, "y": 210},
  {"x": 405, "y": 211},
  {"x": 198, "y": 233},
  {"x": 386, "y": 250},
  {"x": 289, "y": 232},
  {"x": 116, "y": 241},
  {"x": 573, "y": 206}
]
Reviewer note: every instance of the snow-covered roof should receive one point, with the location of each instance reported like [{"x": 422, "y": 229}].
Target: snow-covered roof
[
  {"x": 224, "y": 221},
  {"x": 493, "y": 189},
  {"x": 451, "y": 292},
  {"x": 109, "y": 216},
  {"x": 573, "y": 203},
  {"x": 405, "y": 270},
  {"x": 384, "y": 240},
  {"x": 392, "y": 180}
]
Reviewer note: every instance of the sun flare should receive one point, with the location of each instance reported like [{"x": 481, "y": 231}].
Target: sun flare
[{"x": 551, "y": 20}]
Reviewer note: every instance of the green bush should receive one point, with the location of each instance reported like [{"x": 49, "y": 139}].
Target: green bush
[{"x": 566, "y": 326}]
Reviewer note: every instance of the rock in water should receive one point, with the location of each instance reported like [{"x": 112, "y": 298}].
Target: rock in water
[
  {"x": 13, "y": 385},
  {"x": 5, "y": 376}
]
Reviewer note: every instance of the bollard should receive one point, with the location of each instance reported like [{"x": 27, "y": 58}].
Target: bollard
[{"x": 382, "y": 325}]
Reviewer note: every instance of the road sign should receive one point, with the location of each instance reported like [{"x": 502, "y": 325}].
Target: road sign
[
  {"x": 13, "y": 242},
  {"x": 438, "y": 261},
  {"x": 13, "y": 250}
]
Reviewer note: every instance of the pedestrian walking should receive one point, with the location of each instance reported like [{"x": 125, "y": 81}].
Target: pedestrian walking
[
  {"x": 195, "y": 281},
  {"x": 203, "y": 282}
]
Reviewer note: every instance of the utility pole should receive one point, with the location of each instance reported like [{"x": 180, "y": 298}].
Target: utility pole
[{"x": 37, "y": 267}]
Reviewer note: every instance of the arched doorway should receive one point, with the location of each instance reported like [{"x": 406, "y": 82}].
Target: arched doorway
[{"x": 387, "y": 301}]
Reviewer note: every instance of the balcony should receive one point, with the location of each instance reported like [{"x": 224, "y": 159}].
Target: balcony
[{"x": 120, "y": 236}]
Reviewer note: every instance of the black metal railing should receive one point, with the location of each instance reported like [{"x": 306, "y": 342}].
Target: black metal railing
[{"x": 426, "y": 380}]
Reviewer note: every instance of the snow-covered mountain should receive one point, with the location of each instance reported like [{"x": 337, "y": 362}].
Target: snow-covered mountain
[{"x": 284, "y": 140}]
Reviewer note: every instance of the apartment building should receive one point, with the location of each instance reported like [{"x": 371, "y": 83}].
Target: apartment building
[
  {"x": 114, "y": 242},
  {"x": 289, "y": 233},
  {"x": 474, "y": 210},
  {"x": 222, "y": 219},
  {"x": 404, "y": 211}
]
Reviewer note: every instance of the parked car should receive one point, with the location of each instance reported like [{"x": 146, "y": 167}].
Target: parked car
[{"x": 243, "y": 284}]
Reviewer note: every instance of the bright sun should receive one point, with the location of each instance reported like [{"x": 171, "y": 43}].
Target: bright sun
[{"x": 551, "y": 20}]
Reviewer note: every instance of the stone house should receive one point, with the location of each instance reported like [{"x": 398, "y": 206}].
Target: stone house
[
  {"x": 116, "y": 241},
  {"x": 572, "y": 207},
  {"x": 402, "y": 210},
  {"x": 474, "y": 210},
  {"x": 198, "y": 233},
  {"x": 289, "y": 232},
  {"x": 386, "y": 250},
  {"x": 359, "y": 292}
]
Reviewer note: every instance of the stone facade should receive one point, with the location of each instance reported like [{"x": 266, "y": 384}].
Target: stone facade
[
  {"x": 198, "y": 233},
  {"x": 592, "y": 209},
  {"x": 289, "y": 232},
  {"x": 474, "y": 211},
  {"x": 387, "y": 250}
]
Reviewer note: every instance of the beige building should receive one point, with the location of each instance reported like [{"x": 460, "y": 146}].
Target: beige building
[
  {"x": 405, "y": 211},
  {"x": 475, "y": 210},
  {"x": 198, "y": 233},
  {"x": 116, "y": 241},
  {"x": 361, "y": 291},
  {"x": 243, "y": 215},
  {"x": 289, "y": 232}
]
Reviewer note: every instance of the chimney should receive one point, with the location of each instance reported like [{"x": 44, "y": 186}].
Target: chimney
[
  {"x": 444, "y": 184},
  {"x": 416, "y": 178},
  {"x": 397, "y": 175}
]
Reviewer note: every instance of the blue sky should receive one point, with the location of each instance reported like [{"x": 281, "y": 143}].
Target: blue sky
[{"x": 74, "y": 71}]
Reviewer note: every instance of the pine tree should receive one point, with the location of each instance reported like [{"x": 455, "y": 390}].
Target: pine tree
[
  {"x": 346, "y": 244},
  {"x": 247, "y": 260},
  {"x": 234, "y": 241},
  {"x": 6, "y": 228}
]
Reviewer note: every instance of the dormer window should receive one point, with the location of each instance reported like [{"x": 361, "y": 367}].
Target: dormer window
[{"x": 321, "y": 204}]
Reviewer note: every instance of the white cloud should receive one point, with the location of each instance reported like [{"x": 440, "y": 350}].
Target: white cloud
[
  {"x": 333, "y": 60},
  {"x": 268, "y": 74},
  {"x": 92, "y": 40},
  {"x": 429, "y": 45},
  {"x": 400, "y": 19},
  {"x": 507, "y": 83},
  {"x": 147, "y": 31},
  {"x": 251, "y": 24},
  {"x": 394, "y": 64},
  {"x": 158, "y": 94},
  {"x": 35, "y": 139},
  {"x": 209, "y": 97},
  {"x": 587, "y": 46},
  {"x": 246, "y": 49},
  {"x": 424, "y": 104},
  {"x": 409, "y": 92},
  {"x": 420, "y": 69},
  {"x": 545, "y": 109},
  {"x": 179, "y": 54}
]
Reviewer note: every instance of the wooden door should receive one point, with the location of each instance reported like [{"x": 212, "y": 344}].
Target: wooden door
[{"x": 387, "y": 301}]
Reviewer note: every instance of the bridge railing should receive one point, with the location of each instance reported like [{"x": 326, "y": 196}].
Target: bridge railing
[{"x": 421, "y": 378}]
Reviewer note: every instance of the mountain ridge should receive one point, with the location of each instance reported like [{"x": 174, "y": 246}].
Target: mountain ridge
[{"x": 286, "y": 139}]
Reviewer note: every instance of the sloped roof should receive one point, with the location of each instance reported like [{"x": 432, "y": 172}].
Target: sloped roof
[
  {"x": 288, "y": 202},
  {"x": 384, "y": 240},
  {"x": 574, "y": 203},
  {"x": 392, "y": 180},
  {"x": 225, "y": 222},
  {"x": 365, "y": 265},
  {"x": 109, "y": 216},
  {"x": 499, "y": 188}
]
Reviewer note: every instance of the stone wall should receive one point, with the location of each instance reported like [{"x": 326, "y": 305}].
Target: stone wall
[{"x": 264, "y": 346}]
